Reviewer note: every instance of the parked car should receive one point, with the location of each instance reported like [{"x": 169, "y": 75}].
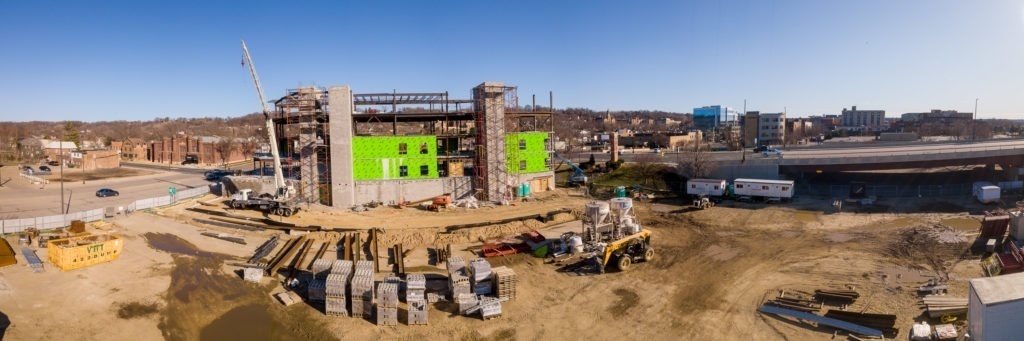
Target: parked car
[
  {"x": 106, "y": 192},
  {"x": 44, "y": 168},
  {"x": 53, "y": 163},
  {"x": 759, "y": 149},
  {"x": 772, "y": 151},
  {"x": 216, "y": 174},
  {"x": 190, "y": 159}
]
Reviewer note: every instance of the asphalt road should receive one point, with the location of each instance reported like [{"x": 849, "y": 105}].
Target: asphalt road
[
  {"x": 820, "y": 151},
  {"x": 21, "y": 199}
]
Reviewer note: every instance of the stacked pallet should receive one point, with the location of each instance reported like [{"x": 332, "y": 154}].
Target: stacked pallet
[
  {"x": 387, "y": 304},
  {"x": 415, "y": 289},
  {"x": 479, "y": 271},
  {"x": 505, "y": 282},
  {"x": 362, "y": 292},
  {"x": 321, "y": 268},
  {"x": 939, "y": 305},
  {"x": 458, "y": 283},
  {"x": 316, "y": 291}
]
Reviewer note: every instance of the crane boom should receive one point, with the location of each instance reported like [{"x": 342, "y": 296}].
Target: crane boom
[{"x": 278, "y": 173}]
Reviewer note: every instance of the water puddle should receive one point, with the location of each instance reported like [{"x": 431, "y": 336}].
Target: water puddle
[
  {"x": 248, "y": 322},
  {"x": 170, "y": 243}
]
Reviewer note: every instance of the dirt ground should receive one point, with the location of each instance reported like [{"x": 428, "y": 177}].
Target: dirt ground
[{"x": 712, "y": 270}]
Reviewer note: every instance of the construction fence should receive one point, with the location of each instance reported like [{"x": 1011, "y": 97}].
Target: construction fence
[{"x": 62, "y": 220}]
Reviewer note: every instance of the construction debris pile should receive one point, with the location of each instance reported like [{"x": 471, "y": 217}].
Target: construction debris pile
[{"x": 939, "y": 247}]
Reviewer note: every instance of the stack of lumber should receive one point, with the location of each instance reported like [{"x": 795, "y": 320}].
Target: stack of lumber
[
  {"x": 795, "y": 303},
  {"x": 883, "y": 322},
  {"x": 846, "y": 296},
  {"x": 938, "y": 305}
]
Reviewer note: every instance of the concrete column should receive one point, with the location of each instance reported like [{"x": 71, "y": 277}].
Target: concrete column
[
  {"x": 340, "y": 108},
  {"x": 615, "y": 147}
]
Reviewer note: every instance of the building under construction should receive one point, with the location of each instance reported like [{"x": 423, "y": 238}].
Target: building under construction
[{"x": 348, "y": 149}]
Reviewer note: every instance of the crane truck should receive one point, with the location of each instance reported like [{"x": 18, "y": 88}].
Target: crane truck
[
  {"x": 577, "y": 178},
  {"x": 283, "y": 201}
]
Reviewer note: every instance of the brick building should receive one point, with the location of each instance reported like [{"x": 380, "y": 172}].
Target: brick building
[
  {"x": 207, "y": 150},
  {"x": 96, "y": 159}
]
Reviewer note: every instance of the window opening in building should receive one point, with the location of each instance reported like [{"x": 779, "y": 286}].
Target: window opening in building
[
  {"x": 424, "y": 170},
  {"x": 522, "y": 165},
  {"x": 403, "y": 171},
  {"x": 402, "y": 147}
]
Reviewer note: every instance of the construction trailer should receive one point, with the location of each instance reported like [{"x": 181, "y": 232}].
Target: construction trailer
[
  {"x": 706, "y": 187},
  {"x": 995, "y": 307},
  {"x": 767, "y": 189},
  {"x": 82, "y": 251}
]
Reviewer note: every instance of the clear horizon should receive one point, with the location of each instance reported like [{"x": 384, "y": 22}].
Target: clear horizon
[{"x": 108, "y": 61}]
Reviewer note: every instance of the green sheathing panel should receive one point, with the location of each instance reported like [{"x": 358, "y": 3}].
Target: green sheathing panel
[
  {"x": 378, "y": 157},
  {"x": 535, "y": 154}
]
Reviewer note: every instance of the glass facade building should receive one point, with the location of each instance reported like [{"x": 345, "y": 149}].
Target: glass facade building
[{"x": 711, "y": 117}]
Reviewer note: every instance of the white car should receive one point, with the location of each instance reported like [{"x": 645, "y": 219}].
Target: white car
[{"x": 772, "y": 151}]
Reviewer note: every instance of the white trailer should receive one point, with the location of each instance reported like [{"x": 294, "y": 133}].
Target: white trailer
[
  {"x": 986, "y": 192},
  {"x": 995, "y": 306},
  {"x": 705, "y": 187},
  {"x": 759, "y": 188}
]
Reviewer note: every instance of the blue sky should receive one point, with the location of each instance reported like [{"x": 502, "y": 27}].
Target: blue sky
[{"x": 138, "y": 60}]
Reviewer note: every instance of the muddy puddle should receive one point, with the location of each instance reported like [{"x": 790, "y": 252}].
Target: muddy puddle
[
  {"x": 206, "y": 303},
  {"x": 248, "y": 322},
  {"x": 171, "y": 244}
]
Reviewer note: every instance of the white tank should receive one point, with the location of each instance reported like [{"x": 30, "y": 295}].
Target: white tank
[
  {"x": 575, "y": 244},
  {"x": 629, "y": 227},
  {"x": 620, "y": 206},
  {"x": 597, "y": 211}
]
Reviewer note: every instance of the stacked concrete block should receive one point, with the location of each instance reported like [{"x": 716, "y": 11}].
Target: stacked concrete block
[
  {"x": 479, "y": 271},
  {"x": 253, "y": 274},
  {"x": 387, "y": 304},
  {"x": 415, "y": 296},
  {"x": 341, "y": 266},
  {"x": 490, "y": 307},
  {"x": 336, "y": 301},
  {"x": 505, "y": 282},
  {"x": 321, "y": 268},
  {"x": 364, "y": 265},
  {"x": 415, "y": 287},
  {"x": 458, "y": 283},
  {"x": 417, "y": 312},
  {"x": 466, "y": 301},
  {"x": 362, "y": 293}
]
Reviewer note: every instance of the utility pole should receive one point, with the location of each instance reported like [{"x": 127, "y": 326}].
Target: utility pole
[{"x": 974, "y": 117}]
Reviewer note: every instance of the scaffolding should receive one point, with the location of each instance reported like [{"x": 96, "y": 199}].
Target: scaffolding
[{"x": 302, "y": 118}]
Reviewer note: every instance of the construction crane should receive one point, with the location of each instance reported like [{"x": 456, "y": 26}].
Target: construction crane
[
  {"x": 283, "y": 191},
  {"x": 577, "y": 177}
]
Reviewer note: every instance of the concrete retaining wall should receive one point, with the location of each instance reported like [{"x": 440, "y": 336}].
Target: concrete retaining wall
[{"x": 388, "y": 191}]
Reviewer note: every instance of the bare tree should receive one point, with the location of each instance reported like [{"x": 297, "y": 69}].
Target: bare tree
[
  {"x": 696, "y": 161},
  {"x": 224, "y": 147},
  {"x": 646, "y": 165}
]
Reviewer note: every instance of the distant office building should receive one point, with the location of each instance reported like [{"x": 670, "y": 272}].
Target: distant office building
[
  {"x": 938, "y": 116},
  {"x": 869, "y": 120},
  {"x": 711, "y": 117},
  {"x": 771, "y": 128}
]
